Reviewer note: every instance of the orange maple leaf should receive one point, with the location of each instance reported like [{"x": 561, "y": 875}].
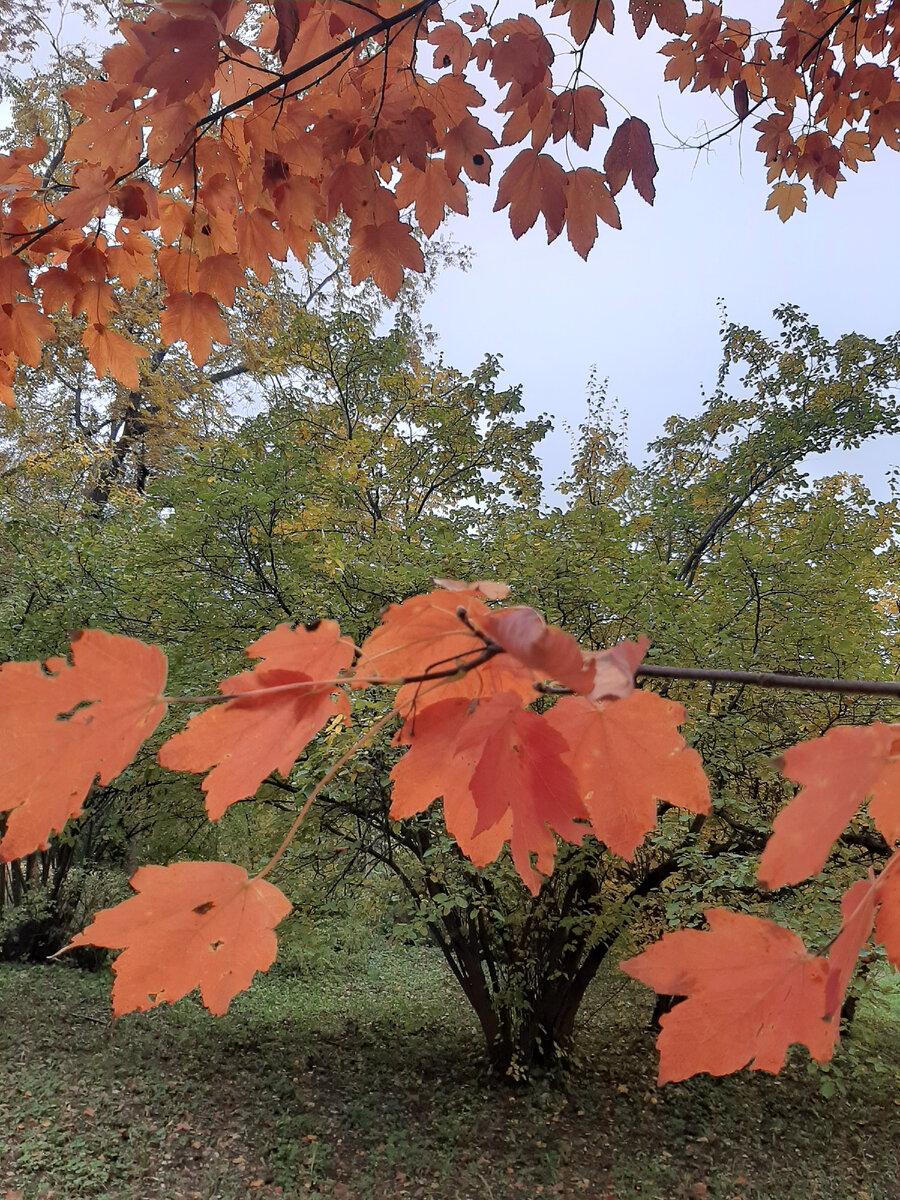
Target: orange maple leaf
[
  {"x": 553, "y": 654},
  {"x": 96, "y": 301},
  {"x": 195, "y": 320},
  {"x": 277, "y": 709},
  {"x": 221, "y": 275},
  {"x": 752, "y": 990},
  {"x": 111, "y": 354},
  {"x": 887, "y": 921},
  {"x": 510, "y": 762},
  {"x": 23, "y": 331},
  {"x": 382, "y": 251},
  {"x": 625, "y": 756},
  {"x": 670, "y": 15},
  {"x": 836, "y": 773},
  {"x": 66, "y": 725},
  {"x": 433, "y": 192},
  {"x": 858, "y": 908},
  {"x": 14, "y": 280},
  {"x": 533, "y": 183},
  {"x": 787, "y": 198},
  {"x": 192, "y": 924},
  {"x": 587, "y": 198},
  {"x": 426, "y": 635},
  {"x": 631, "y": 153},
  {"x": 88, "y": 197},
  {"x": 575, "y": 113}
]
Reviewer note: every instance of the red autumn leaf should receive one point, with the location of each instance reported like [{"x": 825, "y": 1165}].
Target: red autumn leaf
[
  {"x": 466, "y": 147},
  {"x": 58, "y": 287},
  {"x": 887, "y": 920},
  {"x": 532, "y": 184},
  {"x": 23, "y": 331},
  {"x": 575, "y": 113},
  {"x": 625, "y": 756},
  {"x": 631, "y": 153},
  {"x": 452, "y": 47},
  {"x": 111, "y": 354},
  {"x": 89, "y": 197},
  {"x": 14, "y": 280},
  {"x": 288, "y": 18},
  {"x": 858, "y": 908},
  {"x": 382, "y": 251},
  {"x": 752, "y": 991},
  {"x": 837, "y": 773},
  {"x": 511, "y": 761},
  {"x": 787, "y": 198},
  {"x": 420, "y": 778},
  {"x": 192, "y": 924},
  {"x": 221, "y": 275},
  {"x": 432, "y": 191},
  {"x": 96, "y": 301},
  {"x": 67, "y": 725},
  {"x": 587, "y": 198},
  {"x": 670, "y": 15},
  {"x": 196, "y": 321},
  {"x": 552, "y": 654},
  {"x": 425, "y": 635},
  {"x": 258, "y": 242},
  {"x": 277, "y": 709},
  {"x": 583, "y": 18},
  {"x": 132, "y": 261}
]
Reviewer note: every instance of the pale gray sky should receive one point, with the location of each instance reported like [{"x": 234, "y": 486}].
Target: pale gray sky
[{"x": 643, "y": 307}]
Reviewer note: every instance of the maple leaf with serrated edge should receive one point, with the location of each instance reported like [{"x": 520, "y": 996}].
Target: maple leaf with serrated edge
[
  {"x": 858, "y": 908},
  {"x": 419, "y": 779},
  {"x": 111, "y": 354},
  {"x": 23, "y": 331},
  {"x": 192, "y": 924},
  {"x": 576, "y": 113},
  {"x": 626, "y": 755},
  {"x": 277, "y": 709},
  {"x": 220, "y": 275},
  {"x": 631, "y": 153},
  {"x": 787, "y": 198},
  {"x": 426, "y": 634},
  {"x": 670, "y": 15},
  {"x": 752, "y": 991},
  {"x": 837, "y": 773},
  {"x": 511, "y": 762},
  {"x": 67, "y": 725},
  {"x": 587, "y": 198},
  {"x": 381, "y": 252},
  {"x": 432, "y": 191},
  {"x": 196, "y": 321},
  {"x": 533, "y": 183}
]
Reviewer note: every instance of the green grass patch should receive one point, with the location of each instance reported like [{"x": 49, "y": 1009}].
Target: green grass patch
[{"x": 357, "y": 1074}]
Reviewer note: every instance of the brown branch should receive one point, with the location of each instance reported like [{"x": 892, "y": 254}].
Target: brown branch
[
  {"x": 773, "y": 679},
  {"x": 381, "y": 26}
]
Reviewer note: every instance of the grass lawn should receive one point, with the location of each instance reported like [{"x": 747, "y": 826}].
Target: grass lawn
[{"x": 362, "y": 1079}]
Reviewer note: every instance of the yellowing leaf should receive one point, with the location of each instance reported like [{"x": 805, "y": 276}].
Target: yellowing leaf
[{"x": 787, "y": 198}]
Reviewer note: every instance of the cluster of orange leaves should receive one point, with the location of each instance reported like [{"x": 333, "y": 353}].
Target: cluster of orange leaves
[
  {"x": 216, "y": 143},
  {"x": 468, "y": 676}
]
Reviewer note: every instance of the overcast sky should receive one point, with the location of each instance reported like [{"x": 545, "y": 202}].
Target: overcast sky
[{"x": 643, "y": 308}]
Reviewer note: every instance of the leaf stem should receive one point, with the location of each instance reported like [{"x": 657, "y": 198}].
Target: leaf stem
[{"x": 326, "y": 779}]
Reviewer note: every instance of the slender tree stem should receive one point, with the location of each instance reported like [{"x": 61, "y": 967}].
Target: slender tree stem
[{"x": 773, "y": 679}]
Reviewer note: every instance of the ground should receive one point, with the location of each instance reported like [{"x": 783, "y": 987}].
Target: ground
[{"x": 359, "y": 1077}]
